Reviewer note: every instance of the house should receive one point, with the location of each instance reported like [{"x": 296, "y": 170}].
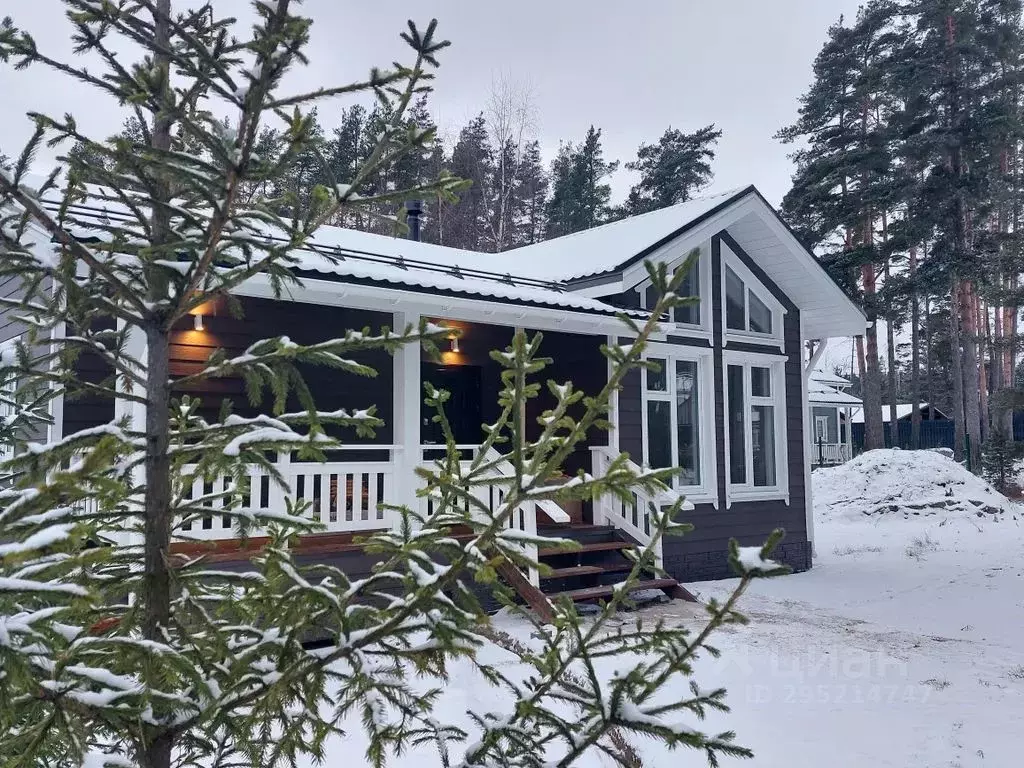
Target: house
[
  {"x": 831, "y": 409},
  {"x": 904, "y": 412},
  {"x": 728, "y": 407}
]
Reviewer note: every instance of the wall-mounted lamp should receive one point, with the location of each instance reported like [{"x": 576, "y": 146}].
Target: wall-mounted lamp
[
  {"x": 454, "y": 339},
  {"x": 197, "y": 322}
]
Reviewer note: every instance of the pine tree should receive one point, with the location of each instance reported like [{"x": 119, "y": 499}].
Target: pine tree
[
  {"x": 466, "y": 223},
  {"x": 530, "y": 198},
  {"x": 841, "y": 187},
  {"x": 672, "y": 170},
  {"x": 580, "y": 195},
  {"x": 115, "y": 651}
]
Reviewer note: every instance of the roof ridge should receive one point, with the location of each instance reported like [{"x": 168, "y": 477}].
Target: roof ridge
[{"x": 635, "y": 217}]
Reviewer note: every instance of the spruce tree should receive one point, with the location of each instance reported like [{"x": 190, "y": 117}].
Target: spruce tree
[
  {"x": 580, "y": 194},
  {"x": 466, "y": 223},
  {"x": 672, "y": 170},
  {"x": 114, "y": 650}
]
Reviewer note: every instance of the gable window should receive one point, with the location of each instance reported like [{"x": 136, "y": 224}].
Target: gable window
[
  {"x": 688, "y": 314},
  {"x": 745, "y": 311},
  {"x": 755, "y": 423},
  {"x": 675, "y": 427}
]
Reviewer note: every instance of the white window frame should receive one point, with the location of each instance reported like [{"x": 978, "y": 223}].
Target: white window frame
[
  {"x": 822, "y": 434},
  {"x": 747, "y": 491},
  {"x": 707, "y": 491},
  {"x": 9, "y": 387},
  {"x": 701, "y": 330},
  {"x": 750, "y": 283}
]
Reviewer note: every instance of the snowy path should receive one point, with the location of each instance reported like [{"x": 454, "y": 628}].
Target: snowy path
[{"x": 904, "y": 646}]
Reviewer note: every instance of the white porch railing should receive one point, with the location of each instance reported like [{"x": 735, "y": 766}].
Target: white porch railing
[
  {"x": 633, "y": 518},
  {"x": 830, "y": 453},
  {"x": 344, "y": 495},
  {"x": 490, "y": 497}
]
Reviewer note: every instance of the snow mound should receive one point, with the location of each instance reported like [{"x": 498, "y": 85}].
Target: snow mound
[{"x": 906, "y": 483}]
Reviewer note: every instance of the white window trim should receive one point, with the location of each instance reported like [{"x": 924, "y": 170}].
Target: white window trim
[
  {"x": 698, "y": 331},
  {"x": 750, "y": 282},
  {"x": 9, "y": 387},
  {"x": 707, "y": 491},
  {"x": 748, "y": 491}
]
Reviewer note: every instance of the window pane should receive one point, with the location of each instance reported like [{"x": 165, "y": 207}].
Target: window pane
[
  {"x": 737, "y": 446},
  {"x": 761, "y": 382},
  {"x": 689, "y": 287},
  {"x": 657, "y": 381},
  {"x": 659, "y": 434},
  {"x": 760, "y": 315},
  {"x": 687, "y": 422},
  {"x": 734, "y": 290},
  {"x": 762, "y": 435}
]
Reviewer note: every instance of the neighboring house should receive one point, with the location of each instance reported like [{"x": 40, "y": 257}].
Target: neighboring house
[
  {"x": 728, "y": 406},
  {"x": 904, "y": 412},
  {"x": 830, "y": 419}
]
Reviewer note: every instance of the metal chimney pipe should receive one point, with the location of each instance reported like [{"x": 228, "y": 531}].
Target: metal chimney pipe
[{"x": 413, "y": 211}]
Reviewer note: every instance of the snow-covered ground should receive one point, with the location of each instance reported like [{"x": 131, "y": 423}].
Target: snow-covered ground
[{"x": 903, "y": 647}]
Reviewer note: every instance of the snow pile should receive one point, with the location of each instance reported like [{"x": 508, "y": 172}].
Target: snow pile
[{"x": 905, "y": 483}]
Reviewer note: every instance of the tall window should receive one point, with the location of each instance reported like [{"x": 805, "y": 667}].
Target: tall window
[
  {"x": 754, "y": 398},
  {"x": 673, "y": 430},
  {"x": 744, "y": 309},
  {"x": 688, "y": 314}
]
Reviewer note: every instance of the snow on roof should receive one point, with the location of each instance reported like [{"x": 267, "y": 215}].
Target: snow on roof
[
  {"x": 829, "y": 378},
  {"x": 605, "y": 248},
  {"x": 821, "y": 393},
  {"x": 902, "y": 410},
  {"x": 346, "y": 253},
  {"x": 456, "y": 282},
  {"x": 538, "y": 273}
]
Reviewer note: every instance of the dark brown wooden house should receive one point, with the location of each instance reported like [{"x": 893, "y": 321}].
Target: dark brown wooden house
[{"x": 729, "y": 407}]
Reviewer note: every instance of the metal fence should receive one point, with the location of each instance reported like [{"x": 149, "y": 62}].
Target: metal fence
[{"x": 936, "y": 433}]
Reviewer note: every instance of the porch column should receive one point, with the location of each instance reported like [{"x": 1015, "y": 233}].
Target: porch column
[
  {"x": 408, "y": 399},
  {"x": 849, "y": 432},
  {"x": 135, "y": 413}
]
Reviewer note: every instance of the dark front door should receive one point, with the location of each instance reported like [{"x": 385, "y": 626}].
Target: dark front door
[{"x": 463, "y": 408}]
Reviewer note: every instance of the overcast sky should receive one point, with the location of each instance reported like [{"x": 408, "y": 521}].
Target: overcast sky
[{"x": 630, "y": 68}]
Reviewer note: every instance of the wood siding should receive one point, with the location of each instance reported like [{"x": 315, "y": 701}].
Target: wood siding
[{"x": 303, "y": 324}]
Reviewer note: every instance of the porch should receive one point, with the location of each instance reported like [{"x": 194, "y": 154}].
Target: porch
[{"x": 348, "y": 493}]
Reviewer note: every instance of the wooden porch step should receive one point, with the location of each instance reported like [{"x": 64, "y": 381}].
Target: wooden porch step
[
  {"x": 597, "y": 593},
  {"x": 596, "y": 546},
  {"x": 587, "y": 570}
]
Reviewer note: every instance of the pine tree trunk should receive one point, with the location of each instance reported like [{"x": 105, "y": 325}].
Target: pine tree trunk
[
  {"x": 156, "y": 589},
  {"x": 985, "y": 349},
  {"x": 915, "y": 355},
  {"x": 971, "y": 377},
  {"x": 871, "y": 385},
  {"x": 890, "y": 349},
  {"x": 929, "y": 351},
  {"x": 956, "y": 358},
  {"x": 157, "y": 529}
]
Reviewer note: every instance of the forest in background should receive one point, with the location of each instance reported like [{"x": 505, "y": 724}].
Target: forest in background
[{"x": 908, "y": 187}]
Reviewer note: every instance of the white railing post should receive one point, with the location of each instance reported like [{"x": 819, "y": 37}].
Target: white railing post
[{"x": 406, "y": 421}]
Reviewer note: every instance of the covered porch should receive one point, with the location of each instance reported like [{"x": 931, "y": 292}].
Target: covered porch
[
  {"x": 831, "y": 414},
  {"x": 347, "y": 494}
]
